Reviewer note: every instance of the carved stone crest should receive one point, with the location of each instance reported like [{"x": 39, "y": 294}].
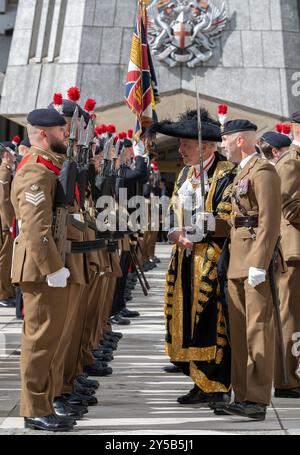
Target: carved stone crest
[{"x": 185, "y": 31}]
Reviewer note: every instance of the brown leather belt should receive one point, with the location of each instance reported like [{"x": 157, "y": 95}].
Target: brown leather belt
[{"x": 246, "y": 221}]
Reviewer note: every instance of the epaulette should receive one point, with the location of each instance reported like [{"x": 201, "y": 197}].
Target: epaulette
[
  {"x": 38, "y": 159},
  {"x": 48, "y": 164}
]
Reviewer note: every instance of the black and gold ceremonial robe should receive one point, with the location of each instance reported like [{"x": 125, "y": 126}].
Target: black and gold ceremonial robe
[{"x": 195, "y": 307}]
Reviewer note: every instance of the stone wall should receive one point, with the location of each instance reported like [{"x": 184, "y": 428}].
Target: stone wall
[
  {"x": 58, "y": 43},
  {"x": 8, "y": 11}
]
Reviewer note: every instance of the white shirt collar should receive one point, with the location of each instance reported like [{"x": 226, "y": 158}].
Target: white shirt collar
[
  {"x": 205, "y": 163},
  {"x": 247, "y": 159},
  {"x": 297, "y": 143}
]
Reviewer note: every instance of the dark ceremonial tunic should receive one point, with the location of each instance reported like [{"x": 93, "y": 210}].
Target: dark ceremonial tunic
[{"x": 196, "y": 328}]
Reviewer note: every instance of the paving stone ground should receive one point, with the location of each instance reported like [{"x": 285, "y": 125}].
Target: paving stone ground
[{"x": 139, "y": 398}]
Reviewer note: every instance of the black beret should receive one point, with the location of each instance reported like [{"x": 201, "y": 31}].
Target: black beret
[
  {"x": 68, "y": 109},
  {"x": 238, "y": 126},
  {"x": 26, "y": 143},
  {"x": 186, "y": 129},
  {"x": 276, "y": 139},
  {"x": 8, "y": 144},
  {"x": 46, "y": 118},
  {"x": 296, "y": 117}
]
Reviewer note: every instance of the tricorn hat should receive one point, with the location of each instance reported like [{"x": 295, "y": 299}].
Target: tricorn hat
[{"x": 186, "y": 127}]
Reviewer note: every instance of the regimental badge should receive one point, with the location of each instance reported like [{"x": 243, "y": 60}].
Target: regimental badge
[
  {"x": 243, "y": 187},
  {"x": 185, "y": 32},
  {"x": 34, "y": 188}
]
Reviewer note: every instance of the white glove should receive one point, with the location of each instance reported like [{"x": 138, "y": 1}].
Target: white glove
[
  {"x": 256, "y": 276},
  {"x": 58, "y": 279},
  {"x": 195, "y": 236},
  {"x": 139, "y": 149}
]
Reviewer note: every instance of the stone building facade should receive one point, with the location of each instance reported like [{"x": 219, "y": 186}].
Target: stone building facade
[
  {"x": 59, "y": 43},
  {"x": 8, "y": 11}
]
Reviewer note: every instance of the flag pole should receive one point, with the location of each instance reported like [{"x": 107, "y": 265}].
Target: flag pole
[{"x": 200, "y": 143}]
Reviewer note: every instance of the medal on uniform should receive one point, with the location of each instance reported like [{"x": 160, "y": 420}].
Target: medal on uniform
[{"x": 243, "y": 187}]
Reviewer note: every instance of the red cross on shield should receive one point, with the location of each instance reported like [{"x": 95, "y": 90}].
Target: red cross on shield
[{"x": 182, "y": 32}]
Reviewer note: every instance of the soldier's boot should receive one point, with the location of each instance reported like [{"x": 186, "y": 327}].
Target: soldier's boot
[
  {"x": 126, "y": 313},
  {"x": 62, "y": 409},
  {"x": 89, "y": 383},
  {"x": 98, "y": 369},
  {"x": 81, "y": 400},
  {"x": 50, "y": 423},
  {"x": 98, "y": 355}
]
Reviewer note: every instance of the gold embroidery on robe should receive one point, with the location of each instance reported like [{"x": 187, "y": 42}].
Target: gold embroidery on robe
[{"x": 206, "y": 256}]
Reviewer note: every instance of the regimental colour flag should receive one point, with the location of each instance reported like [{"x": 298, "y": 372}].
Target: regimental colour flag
[{"x": 141, "y": 91}]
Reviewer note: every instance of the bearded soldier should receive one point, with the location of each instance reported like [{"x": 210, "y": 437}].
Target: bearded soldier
[
  {"x": 39, "y": 269},
  {"x": 196, "y": 330}
]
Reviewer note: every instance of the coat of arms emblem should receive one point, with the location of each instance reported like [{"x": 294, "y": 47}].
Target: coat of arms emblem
[{"x": 184, "y": 31}]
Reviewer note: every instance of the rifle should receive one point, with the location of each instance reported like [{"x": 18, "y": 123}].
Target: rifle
[
  {"x": 118, "y": 146},
  {"x": 136, "y": 268},
  {"x": 103, "y": 180},
  {"x": 15, "y": 155},
  {"x": 65, "y": 195},
  {"x": 90, "y": 166},
  {"x": 81, "y": 170},
  {"x": 137, "y": 264},
  {"x": 120, "y": 178}
]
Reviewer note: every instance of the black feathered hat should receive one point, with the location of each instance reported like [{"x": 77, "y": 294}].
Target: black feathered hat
[{"x": 186, "y": 127}]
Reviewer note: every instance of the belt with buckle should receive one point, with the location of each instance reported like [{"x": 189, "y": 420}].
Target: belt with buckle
[{"x": 246, "y": 221}]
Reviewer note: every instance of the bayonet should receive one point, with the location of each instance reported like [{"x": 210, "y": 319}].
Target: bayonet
[
  {"x": 81, "y": 133},
  {"x": 74, "y": 124},
  {"x": 81, "y": 140},
  {"x": 108, "y": 144},
  {"x": 73, "y": 134},
  {"x": 89, "y": 137},
  {"x": 117, "y": 149}
]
